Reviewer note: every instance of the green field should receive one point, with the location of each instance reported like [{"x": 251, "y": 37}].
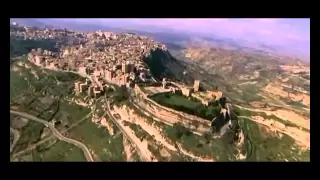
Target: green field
[
  {"x": 27, "y": 93},
  {"x": 187, "y": 105},
  {"x": 50, "y": 82},
  {"x": 60, "y": 151},
  {"x": 176, "y": 99},
  {"x": 71, "y": 112},
  {"x": 106, "y": 147},
  {"x": 17, "y": 84},
  {"x": 29, "y": 135}
]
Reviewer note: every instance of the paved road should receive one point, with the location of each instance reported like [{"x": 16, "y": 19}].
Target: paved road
[
  {"x": 125, "y": 133},
  {"x": 56, "y": 133},
  {"x": 47, "y": 138}
]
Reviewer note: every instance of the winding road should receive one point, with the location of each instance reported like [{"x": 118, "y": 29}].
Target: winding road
[
  {"x": 56, "y": 133},
  {"x": 50, "y": 137}
]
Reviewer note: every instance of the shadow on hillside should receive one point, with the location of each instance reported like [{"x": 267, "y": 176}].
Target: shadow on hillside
[
  {"x": 20, "y": 47},
  {"x": 163, "y": 65}
]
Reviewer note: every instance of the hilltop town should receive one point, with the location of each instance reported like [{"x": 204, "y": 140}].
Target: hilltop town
[
  {"x": 109, "y": 60},
  {"x": 102, "y": 57}
]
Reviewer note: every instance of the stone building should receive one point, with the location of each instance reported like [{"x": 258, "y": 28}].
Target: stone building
[
  {"x": 164, "y": 83},
  {"x": 196, "y": 85},
  {"x": 90, "y": 91},
  {"x": 109, "y": 75},
  {"x": 54, "y": 65},
  {"x": 186, "y": 91},
  {"x": 47, "y": 63},
  {"x": 130, "y": 67},
  {"x": 96, "y": 91},
  {"x": 77, "y": 87},
  {"x": 124, "y": 67},
  {"x": 132, "y": 76},
  {"x": 39, "y": 60},
  {"x": 216, "y": 94},
  {"x": 98, "y": 73}
]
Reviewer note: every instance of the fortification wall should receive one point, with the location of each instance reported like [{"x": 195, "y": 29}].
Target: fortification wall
[{"x": 185, "y": 115}]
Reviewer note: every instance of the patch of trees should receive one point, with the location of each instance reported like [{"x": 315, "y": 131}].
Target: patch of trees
[
  {"x": 65, "y": 77},
  {"x": 149, "y": 83},
  {"x": 121, "y": 95},
  {"x": 181, "y": 130},
  {"x": 20, "y": 47},
  {"x": 201, "y": 110},
  {"x": 208, "y": 137}
]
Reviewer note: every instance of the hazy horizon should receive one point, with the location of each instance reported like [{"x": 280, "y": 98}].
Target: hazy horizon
[{"x": 284, "y": 34}]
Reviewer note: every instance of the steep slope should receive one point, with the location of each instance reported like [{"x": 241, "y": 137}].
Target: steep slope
[{"x": 163, "y": 65}]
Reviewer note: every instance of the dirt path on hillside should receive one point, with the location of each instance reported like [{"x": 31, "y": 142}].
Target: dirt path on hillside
[
  {"x": 166, "y": 121},
  {"x": 288, "y": 115},
  {"x": 302, "y": 138},
  {"x": 277, "y": 90},
  {"x": 172, "y": 118},
  {"x": 150, "y": 130},
  {"x": 156, "y": 133},
  {"x": 142, "y": 145}
]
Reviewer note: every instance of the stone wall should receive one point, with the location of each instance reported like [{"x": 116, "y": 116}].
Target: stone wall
[{"x": 185, "y": 115}]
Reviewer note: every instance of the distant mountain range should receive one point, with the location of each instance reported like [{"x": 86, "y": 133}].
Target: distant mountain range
[{"x": 167, "y": 36}]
